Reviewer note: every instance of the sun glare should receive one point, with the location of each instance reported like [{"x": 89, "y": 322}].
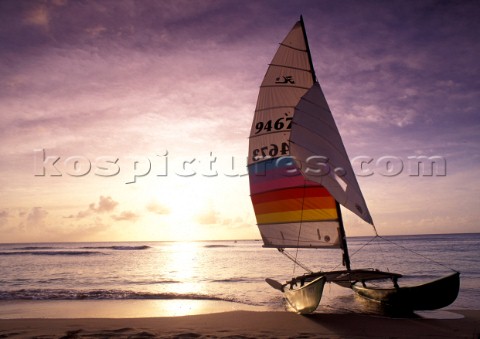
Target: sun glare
[{"x": 182, "y": 265}]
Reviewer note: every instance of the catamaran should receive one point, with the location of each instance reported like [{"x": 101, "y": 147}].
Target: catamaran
[{"x": 300, "y": 174}]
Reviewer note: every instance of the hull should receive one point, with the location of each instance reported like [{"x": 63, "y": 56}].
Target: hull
[
  {"x": 429, "y": 296},
  {"x": 305, "y": 299}
]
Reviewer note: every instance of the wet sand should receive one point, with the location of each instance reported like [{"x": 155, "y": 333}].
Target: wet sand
[{"x": 250, "y": 324}]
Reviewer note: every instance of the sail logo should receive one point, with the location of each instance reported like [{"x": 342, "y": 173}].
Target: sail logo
[{"x": 285, "y": 79}]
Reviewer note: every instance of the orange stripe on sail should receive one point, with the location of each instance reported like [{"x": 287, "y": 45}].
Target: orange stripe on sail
[
  {"x": 297, "y": 216},
  {"x": 295, "y": 204}
]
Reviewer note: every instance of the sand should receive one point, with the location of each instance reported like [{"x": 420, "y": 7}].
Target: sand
[{"x": 249, "y": 324}]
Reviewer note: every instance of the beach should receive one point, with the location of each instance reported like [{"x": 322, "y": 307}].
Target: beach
[
  {"x": 214, "y": 290},
  {"x": 249, "y": 324}
]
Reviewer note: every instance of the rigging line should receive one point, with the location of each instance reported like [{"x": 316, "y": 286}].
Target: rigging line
[
  {"x": 382, "y": 252},
  {"x": 289, "y": 256},
  {"x": 301, "y": 223},
  {"x": 285, "y": 86},
  {"x": 414, "y": 252},
  {"x": 267, "y": 133},
  {"x": 290, "y": 67},
  {"x": 366, "y": 244},
  {"x": 294, "y": 48},
  {"x": 272, "y": 107}
]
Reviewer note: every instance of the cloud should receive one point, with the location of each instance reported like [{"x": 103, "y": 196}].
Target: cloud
[
  {"x": 38, "y": 16},
  {"x": 96, "y": 30},
  {"x": 105, "y": 204},
  {"x": 85, "y": 231},
  {"x": 209, "y": 217},
  {"x": 81, "y": 214},
  {"x": 36, "y": 216},
  {"x": 30, "y": 222},
  {"x": 4, "y": 214},
  {"x": 126, "y": 216},
  {"x": 215, "y": 218},
  {"x": 157, "y": 208}
]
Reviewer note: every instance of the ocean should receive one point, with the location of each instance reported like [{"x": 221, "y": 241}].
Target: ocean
[{"x": 230, "y": 272}]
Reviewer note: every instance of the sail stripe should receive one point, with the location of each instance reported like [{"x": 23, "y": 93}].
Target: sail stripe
[
  {"x": 291, "y": 193},
  {"x": 285, "y": 164},
  {"x": 273, "y": 175},
  {"x": 291, "y": 47},
  {"x": 295, "y": 204},
  {"x": 271, "y": 185},
  {"x": 297, "y": 216},
  {"x": 301, "y": 234},
  {"x": 275, "y": 96}
]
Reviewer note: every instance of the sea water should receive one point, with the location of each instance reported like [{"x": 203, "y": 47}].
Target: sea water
[{"x": 223, "y": 271}]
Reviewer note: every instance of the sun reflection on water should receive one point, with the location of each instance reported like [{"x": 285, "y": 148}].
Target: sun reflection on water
[{"x": 182, "y": 266}]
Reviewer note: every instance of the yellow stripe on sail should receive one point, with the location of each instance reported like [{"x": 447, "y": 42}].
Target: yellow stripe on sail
[{"x": 296, "y": 216}]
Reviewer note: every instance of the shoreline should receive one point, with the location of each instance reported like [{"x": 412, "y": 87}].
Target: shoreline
[
  {"x": 128, "y": 308},
  {"x": 248, "y": 324}
]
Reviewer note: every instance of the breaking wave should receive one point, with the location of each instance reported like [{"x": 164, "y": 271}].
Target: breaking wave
[
  {"x": 33, "y": 248},
  {"x": 118, "y": 248},
  {"x": 72, "y": 253},
  {"x": 60, "y": 294},
  {"x": 85, "y": 250}
]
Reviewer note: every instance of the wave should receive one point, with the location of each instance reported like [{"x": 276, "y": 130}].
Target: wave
[
  {"x": 118, "y": 248},
  {"x": 232, "y": 280},
  {"x": 72, "y": 253},
  {"x": 58, "y": 294},
  {"x": 216, "y": 246},
  {"x": 32, "y": 248},
  {"x": 151, "y": 282}
]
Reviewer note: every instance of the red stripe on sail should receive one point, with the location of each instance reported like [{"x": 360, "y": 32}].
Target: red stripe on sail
[
  {"x": 278, "y": 184},
  {"x": 291, "y": 193}
]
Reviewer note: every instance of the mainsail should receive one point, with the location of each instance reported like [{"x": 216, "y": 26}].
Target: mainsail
[{"x": 298, "y": 167}]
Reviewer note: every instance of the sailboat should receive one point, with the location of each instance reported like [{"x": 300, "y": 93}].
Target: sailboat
[{"x": 300, "y": 174}]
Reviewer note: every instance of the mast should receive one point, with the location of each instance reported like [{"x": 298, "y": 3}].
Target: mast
[
  {"x": 314, "y": 77},
  {"x": 343, "y": 239}
]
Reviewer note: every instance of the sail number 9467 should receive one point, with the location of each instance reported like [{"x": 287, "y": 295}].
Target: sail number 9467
[
  {"x": 277, "y": 125},
  {"x": 270, "y": 151}
]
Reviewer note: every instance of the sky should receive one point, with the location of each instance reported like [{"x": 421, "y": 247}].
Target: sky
[{"x": 129, "y": 120}]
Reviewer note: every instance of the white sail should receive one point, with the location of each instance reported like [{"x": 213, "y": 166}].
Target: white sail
[
  {"x": 291, "y": 210},
  {"x": 288, "y": 78},
  {"x": 318, "y": 147}
]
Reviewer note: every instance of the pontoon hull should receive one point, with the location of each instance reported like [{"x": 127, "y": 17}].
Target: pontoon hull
[
  {"x": 305, "y": 299},
  {"x": 429, "y": 296}
]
